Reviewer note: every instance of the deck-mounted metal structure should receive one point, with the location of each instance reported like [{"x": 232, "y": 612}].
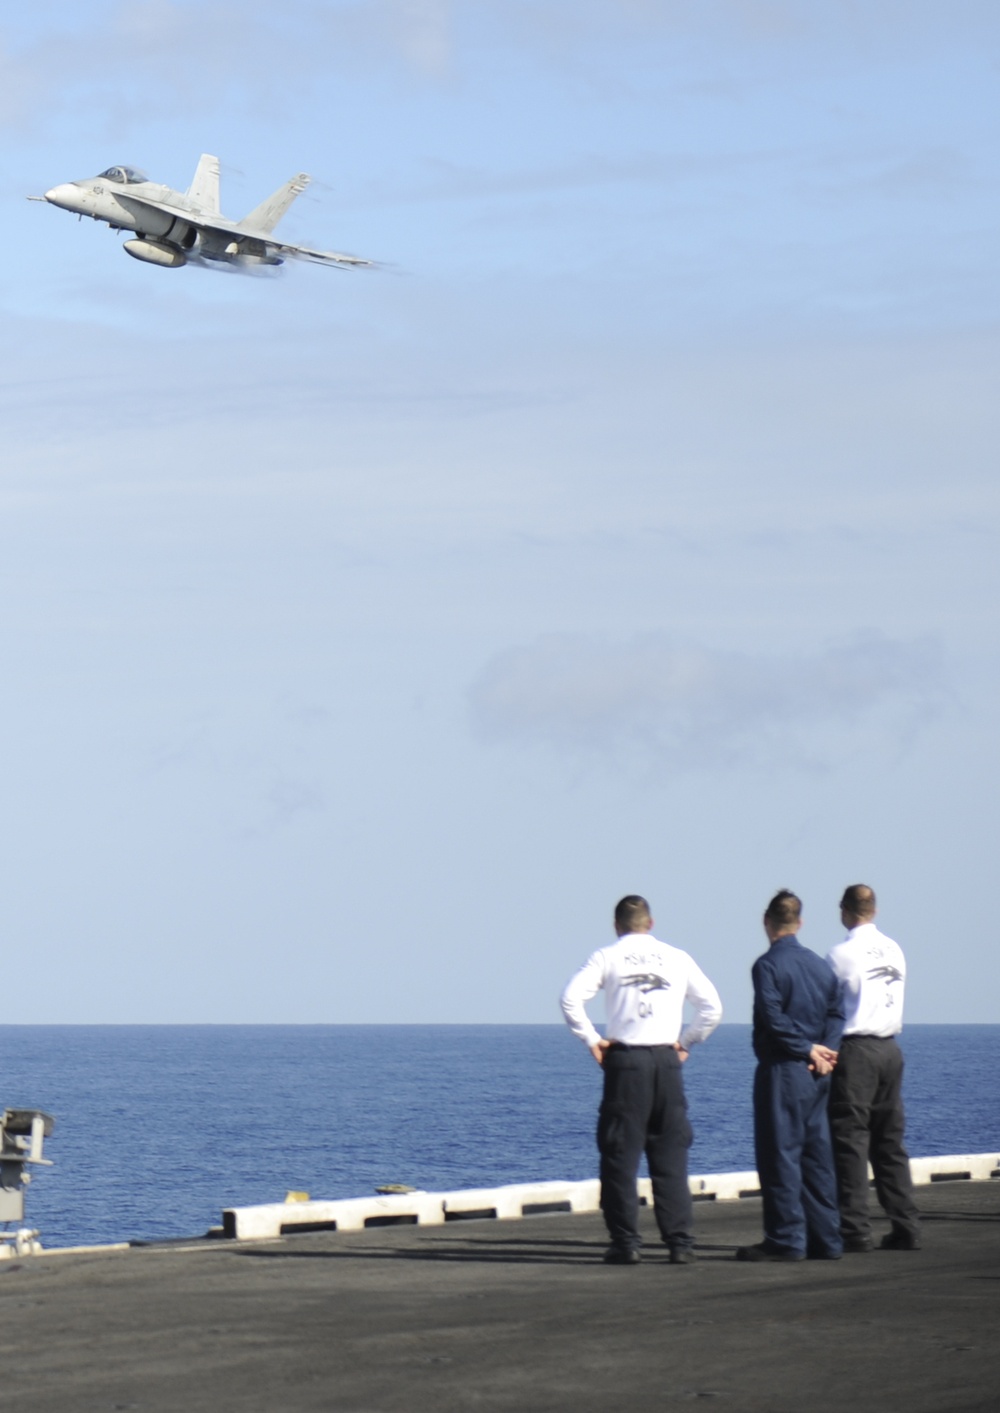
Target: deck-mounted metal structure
[{"x": 22, "y": 1134}]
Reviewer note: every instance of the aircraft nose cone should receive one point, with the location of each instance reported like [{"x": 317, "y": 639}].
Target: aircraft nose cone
[{"x": 67, "y": 195}]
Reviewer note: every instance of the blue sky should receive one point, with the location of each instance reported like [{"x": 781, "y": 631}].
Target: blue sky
[{"x": 633, "y": 528}]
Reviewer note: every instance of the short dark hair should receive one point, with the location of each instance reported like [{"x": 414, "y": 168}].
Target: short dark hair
[
  {"x": 632, "y": 915},
  {"x": 784, "y": 909},
  {"x": 859, "y": 900}
]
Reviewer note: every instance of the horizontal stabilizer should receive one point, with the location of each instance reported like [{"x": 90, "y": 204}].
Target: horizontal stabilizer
[
  {"x": 263, "y": 218},
  {"x": 204, "y": 189}
]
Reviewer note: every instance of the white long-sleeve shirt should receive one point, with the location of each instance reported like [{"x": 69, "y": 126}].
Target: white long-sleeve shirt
[
  {"x": 646, "y": 983},
  {"x": 873, "y": 970}
]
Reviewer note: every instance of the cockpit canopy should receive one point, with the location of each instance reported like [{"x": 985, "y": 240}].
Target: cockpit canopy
[{"x": 127, "y": 176}]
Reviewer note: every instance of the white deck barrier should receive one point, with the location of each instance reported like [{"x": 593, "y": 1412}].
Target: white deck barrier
[{"x": 524, "y": 1200}]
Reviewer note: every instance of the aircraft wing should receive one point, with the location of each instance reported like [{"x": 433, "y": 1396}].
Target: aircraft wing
[
  {"x": 200, "y": 220},
  {"x": 235, "y": 230},
  {"x": 318, "y": 257}
]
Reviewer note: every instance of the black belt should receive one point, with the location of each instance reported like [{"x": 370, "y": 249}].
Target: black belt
[{"x": 621, "y": 1045}]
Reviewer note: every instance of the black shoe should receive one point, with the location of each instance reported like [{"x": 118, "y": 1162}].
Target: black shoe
[
  {"x": 858, "y": 1245},
  {"x": 820, "y": 1254},
  {"x": 621, "y": 1256},
  {"x": 760, "y": 1252},
  {"x": 897, "y": 1240},
  {"x": 682, "y": 1256}
]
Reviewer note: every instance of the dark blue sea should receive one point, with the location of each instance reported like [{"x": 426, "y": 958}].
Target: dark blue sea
[{"x": 158, "y": 1128}]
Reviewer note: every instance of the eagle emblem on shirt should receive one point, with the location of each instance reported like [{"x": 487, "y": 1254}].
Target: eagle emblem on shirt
[
  {"x": 646, "y": 981},
  {"x": 887, "y": 974}
]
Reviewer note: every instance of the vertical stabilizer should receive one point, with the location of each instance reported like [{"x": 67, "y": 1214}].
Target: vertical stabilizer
[
  {"x": 265, "y": 217},
  {"x": 204, "y": 189}
]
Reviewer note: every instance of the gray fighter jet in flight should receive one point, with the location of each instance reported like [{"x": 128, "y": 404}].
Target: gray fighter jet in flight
[{"x": 174, "y": 228}]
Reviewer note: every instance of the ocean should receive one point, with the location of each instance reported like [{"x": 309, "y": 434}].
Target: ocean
[{"x": 158, "y": 1128}]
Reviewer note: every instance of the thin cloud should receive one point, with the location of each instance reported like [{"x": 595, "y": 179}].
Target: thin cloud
[
  {"x": 114, "y": 62},
  {"x": 447, "y": 181},
  {"x": 287, "y": 799},
  {"x": 929, "y": 173},
  {"x": 154, "y": 51},
  {"x": 689, "y": 707}
]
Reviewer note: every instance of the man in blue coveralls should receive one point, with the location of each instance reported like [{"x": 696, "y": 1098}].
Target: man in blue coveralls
[{"x": 798, "y": 1018}]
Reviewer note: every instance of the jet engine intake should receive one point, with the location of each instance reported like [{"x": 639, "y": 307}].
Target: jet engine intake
[{"x": 155, "y": 252}]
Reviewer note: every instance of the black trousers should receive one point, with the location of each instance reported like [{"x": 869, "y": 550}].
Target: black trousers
[
  {"x": 644, "y": 1111},
  {"x": 867, "y": 1123}
]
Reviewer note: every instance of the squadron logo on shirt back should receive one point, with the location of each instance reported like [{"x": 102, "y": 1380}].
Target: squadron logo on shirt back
[
  {"x": 646, "y": 981},
  {"x": 888, "y": 974}
]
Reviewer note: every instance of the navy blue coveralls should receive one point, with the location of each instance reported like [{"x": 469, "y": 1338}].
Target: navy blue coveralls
[{"x": 797, "y": 1004}]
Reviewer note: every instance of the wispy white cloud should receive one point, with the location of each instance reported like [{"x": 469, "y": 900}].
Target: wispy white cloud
[
  {"x": 681, "y": 706},
  {"x": 257, "y": 768},
  {"x": 928, "y": 172},
  {"x": 123, "y": 59},
  {"x": 448, "y": 181}
]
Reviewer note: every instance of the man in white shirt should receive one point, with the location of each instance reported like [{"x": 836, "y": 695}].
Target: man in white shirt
[
  {"x": 643, "y": 1110},
  {"x": 866, "y": 1103}
]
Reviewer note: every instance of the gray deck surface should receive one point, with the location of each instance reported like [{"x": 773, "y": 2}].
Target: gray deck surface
[{"x": 512, "y": 1315}]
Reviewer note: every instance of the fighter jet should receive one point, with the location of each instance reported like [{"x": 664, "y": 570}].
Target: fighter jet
[{"x": 176, "y": 228}]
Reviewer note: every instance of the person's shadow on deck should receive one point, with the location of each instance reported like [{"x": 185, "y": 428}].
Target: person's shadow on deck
[{"x": 519, "y": 1250}]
